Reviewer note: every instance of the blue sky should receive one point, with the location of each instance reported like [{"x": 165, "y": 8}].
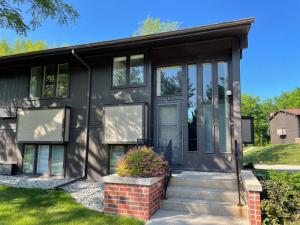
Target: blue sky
[{"x": 270, "y": 65}]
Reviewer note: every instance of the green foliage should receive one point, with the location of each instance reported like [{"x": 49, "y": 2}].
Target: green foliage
[
  {"x": 280, "y": 198},
  {"x": 11, "y": 13},
  {"x": 288, "y": 99},
  {"x": 20, "y": 46},
  {"x": 261, "y": 110},
  {"x": 141, "y": 162},
  {"x": 153, "y": 25},
  {"x": 21, "y": 206},
  {"x": 288, "y": 154}
]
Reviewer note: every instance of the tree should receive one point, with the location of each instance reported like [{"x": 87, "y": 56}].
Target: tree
[
  {"x": 20, "y": 46},
  {"x": 153, "y": 25},
  {"x": 288, "y": 99},
  {"x": 12, "y": 12}
]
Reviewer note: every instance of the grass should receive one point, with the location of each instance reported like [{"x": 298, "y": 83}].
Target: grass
[
  {"x": 21, "y": 206},
  {"x": 288, "y": 154}
]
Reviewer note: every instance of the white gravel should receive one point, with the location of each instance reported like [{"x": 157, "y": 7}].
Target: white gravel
[
  {"x": 32, "y": 182},
  {"x": 88, "y": 193}
]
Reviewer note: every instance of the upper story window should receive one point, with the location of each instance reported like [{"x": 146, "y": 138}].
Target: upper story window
[
  {"x": 128, "y": 71},
  {"x": 49, "y": 81},
  {"x": 169, "y": 81}
]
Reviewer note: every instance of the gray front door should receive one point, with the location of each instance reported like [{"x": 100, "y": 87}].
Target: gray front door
[{"x": 169, "y": 129}]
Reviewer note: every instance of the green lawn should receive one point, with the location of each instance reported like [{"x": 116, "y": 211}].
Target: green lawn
[
  {"x": 20, "y": 206},
  {"x": 273, "y": 154}
]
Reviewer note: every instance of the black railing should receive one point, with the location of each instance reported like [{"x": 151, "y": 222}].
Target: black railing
[
  {"x": 238, "y": 168},
  {"x": 163, "y": 147}
]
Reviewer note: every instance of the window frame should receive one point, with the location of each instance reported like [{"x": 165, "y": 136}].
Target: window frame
[
  {"x": 43, "y": 71},
  {"x": 183, "y": 68},
  {"x": 127, "y": 75},
  {"x": 35, "y": 164}
]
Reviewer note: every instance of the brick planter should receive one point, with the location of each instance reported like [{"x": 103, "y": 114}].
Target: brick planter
[
  {"x": 253, "y": 189},
  {"x": 136, "y": 197}
]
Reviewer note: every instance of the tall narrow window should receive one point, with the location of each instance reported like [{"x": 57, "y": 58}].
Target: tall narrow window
[
  {"x": 136, "y": 76},
  {"x": 169, "y": 81},
  {"x": 192, "y": 108},
  {"x": 223, "y": 106},
  {"x": 57, "y": 160},
  {"x": 62, "y": 89},
  {"x": 49, "y": 81},
  {"x": 119, "y": 72},
  {"x": 207, "y": 108},
  {"x": 43, "y": 159},
  {"x": 116, "y": 152},
  {"x": 29, "y": 158},
  {"x": 35, "y": 82}
]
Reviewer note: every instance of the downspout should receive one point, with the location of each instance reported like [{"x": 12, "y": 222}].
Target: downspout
[{"x": 88, "y": 102}]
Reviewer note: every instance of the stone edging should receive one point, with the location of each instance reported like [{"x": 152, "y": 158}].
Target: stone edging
[
  {"x": 115, "y": 179},
  {"x": 250, "y": 181}
]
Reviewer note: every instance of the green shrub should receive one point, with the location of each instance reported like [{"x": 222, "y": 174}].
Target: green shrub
[
  {"x": 280, "y": 198},
  {"x": 142, "y": 162}
]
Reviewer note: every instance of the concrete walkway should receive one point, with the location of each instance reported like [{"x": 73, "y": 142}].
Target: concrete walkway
[
  {"x": 278, "y": 167},
  {"x": 163, "y": 217}
]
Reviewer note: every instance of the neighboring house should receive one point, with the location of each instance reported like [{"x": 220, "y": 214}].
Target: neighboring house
[
  {"x": 73, "y": 111},
  {"x": 285, "y": 126}
]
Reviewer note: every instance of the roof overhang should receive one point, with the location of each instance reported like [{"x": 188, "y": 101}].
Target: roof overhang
[{"x": 237, "y": 28}]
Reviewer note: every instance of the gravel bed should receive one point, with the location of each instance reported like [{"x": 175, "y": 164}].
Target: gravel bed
[
  {"x": 88, "y": 193},
  {"x": 32, "y": 182}
]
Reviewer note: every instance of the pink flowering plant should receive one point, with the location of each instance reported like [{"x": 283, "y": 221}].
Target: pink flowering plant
[{"x": 142, "y": 162}]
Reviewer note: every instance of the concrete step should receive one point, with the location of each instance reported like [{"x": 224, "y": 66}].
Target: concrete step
[
  {"x": 205, "y": 182},
  {"x": 196, "y": 193},
  {"x": 204, "y": 207},
  {"x": 206, "y": 175},
  {"x": 163, "y": 217}
]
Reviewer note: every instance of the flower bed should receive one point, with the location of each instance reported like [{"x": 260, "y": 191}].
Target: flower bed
[{"x": 137, "y": 187}]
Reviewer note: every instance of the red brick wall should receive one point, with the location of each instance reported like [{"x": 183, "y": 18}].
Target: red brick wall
[
  {"x": 254, "y": 211},
  {"x": 132, "y": 200}
]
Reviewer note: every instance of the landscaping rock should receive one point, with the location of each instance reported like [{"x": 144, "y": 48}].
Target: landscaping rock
[{"x": 88, "y": 193}]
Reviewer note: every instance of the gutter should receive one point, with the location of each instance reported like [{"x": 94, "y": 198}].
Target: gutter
[{"x": 88, "y": 103}]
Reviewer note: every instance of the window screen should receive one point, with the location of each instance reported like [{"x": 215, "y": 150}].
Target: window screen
[
  {"x": 57, "y": 160},
  {"x": 29, "y": 157},
  {"x": 119, "y": 71},
  {"x": 136, "y": 69}
]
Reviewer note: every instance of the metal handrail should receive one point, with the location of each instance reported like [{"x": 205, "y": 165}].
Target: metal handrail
[{"x": 237, "y": 167}]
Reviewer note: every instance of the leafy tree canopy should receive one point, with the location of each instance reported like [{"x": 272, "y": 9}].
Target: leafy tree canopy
[
  {"x": 20, "y": 46},
  {"x": 154, "y": 25},
  {"x": 12, "y": 13}
]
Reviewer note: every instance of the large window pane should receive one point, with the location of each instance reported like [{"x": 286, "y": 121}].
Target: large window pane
[
  {"x": 63, "y": 80},
  {"x": 29, "y": 156},
  {"x": 136, "y": 75},
  {"x": 119, "y": 71},
  {"x": 192, "y": 107},
  {"x": 57, "y": 160},
  {"x": 49, "y": 81},
  {"x": 169, "y": 81},
  {"x": 43, "y": 159},
  {"x": 116, "y": 152},
  {"x": 207, "y": 107},
  {"x": 35, "y": 82},
  {"x": 223, "y": 105}
]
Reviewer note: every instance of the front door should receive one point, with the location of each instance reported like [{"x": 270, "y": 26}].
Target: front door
[
  {"x": 193, "y": 110},
  {"x": 169, "y": 129}
]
